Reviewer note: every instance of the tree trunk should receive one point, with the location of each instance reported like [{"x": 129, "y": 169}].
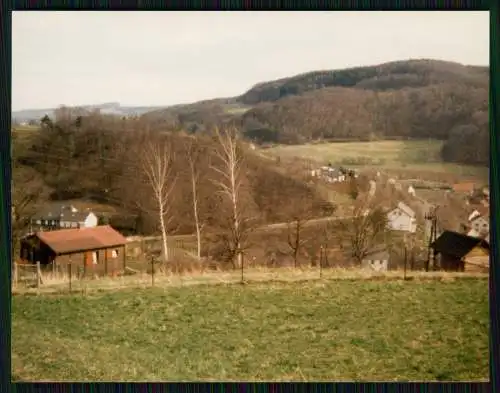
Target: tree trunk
[
  {"x": 240, "y": 259},
  {"x": 196, "y": 219},
  {"x": 297, "y": 244},
  {"x": 166, "y": 255},
  {"x": 198, "y": 241}
]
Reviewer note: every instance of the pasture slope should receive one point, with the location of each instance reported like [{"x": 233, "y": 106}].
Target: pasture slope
[
  {"x": 411, "y": 156},
  {"x": 302, "y": 331}
]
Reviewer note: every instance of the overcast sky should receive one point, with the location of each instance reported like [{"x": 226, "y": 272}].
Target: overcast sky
[{"x": 166, "y": 58}]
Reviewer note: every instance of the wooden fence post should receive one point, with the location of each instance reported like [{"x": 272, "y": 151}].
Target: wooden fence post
[
  {"x": 321, "y": 262},
  {"x": 38, "y": 277},
  {"x": 152, "y": 272},
  {"x": 405, "y": 263},
  {"x": 15, "y": 275},
  {"x": 69, "y": 273},
  {"x": 124, "y": 259}
]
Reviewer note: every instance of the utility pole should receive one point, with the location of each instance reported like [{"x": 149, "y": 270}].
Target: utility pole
[{"x": 432, "y": 218}]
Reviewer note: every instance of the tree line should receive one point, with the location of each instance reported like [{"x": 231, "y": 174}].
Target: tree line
[{"x": 172, "y": 181}]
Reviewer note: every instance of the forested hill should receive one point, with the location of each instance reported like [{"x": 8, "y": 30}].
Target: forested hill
[
  {"x": 404, "y": 99},
  {"x": 388, "y": 76}
]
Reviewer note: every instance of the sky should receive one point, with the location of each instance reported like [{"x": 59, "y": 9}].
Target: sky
[{"x": 167, "y": 58}]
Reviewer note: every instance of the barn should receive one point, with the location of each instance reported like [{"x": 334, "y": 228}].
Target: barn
[
  {"x": 97, "y": 249},
  {"x": 458, "y": 252}
]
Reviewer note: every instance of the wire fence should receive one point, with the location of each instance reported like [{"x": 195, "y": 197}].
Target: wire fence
[{"x": 185, "y": 268}]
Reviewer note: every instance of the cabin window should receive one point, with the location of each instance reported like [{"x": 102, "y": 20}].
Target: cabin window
[
  {"x": 38, "y": 222},
  {"x": 114, "y": 253}
]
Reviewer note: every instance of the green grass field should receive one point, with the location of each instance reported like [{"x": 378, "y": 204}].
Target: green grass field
[
  {"x": 410, "y": 155},
  {"x": 302, "y": 331}
]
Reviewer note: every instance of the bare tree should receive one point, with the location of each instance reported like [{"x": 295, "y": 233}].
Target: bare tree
[
  {"x": 295, "y": 239},
  {"x": 305, "y": 207},
  {"x": 230, "y": 184},
  {"x": 366, "y": 228},
  {"x": 27, "y": 191},
  {"x": 156, "y": 163},
  {"x": 300, "y": 214},
  {"x": 193, "y": 156}
]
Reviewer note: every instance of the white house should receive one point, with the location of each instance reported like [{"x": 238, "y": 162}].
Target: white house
[
  {"x": 329, "y": 174},
  {"x": 79, "y": 220},
  {"x": 411, "y": 191},
  {"x": 479, "y": 224},
  {"x": 373, "y": 188},
  {"x": 402, "y": 218},
  {"x": 64, "y": 216}
]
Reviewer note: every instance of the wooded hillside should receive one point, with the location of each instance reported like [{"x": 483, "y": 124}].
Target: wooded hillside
[
  {"x": 102, "y": 158},
  {"x": 405, "y": 99}
]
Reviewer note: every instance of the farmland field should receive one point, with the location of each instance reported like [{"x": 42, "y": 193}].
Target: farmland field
[
  {"x": 302, "y": 331},
  {"x": 410, "y": 155}
]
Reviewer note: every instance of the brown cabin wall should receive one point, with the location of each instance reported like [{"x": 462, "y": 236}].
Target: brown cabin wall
[
  {"x": 35, "y": 252},
  {"x": 84, "y": 260}
]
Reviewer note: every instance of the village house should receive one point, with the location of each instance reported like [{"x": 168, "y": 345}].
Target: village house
[
  {"x": 464, "y": 188},
  {"x": 479, "y": 222},
  {"x": 486, "y": 193},
  {"x": 87, "y": 248},
  {"x": 62, "y": 216},
  {"x": 330, "y": 174},
  {"x": 454, "y": 251},
  {"x": 402, "y": 218}
]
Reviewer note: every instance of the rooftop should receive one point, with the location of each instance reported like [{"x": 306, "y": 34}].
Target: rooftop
[
  {"x": 61, "y": 212},
  {"x": 377, "y": 253},
  {"x": 457, "y": 244},
  {"x": 69, "y": 241},
  {"x": 464, "y": 187},
  {"x": 406, "y": 209}
]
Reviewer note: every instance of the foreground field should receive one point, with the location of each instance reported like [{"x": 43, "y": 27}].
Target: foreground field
[
  {"x": 410, "y": 155},
  {"x": 316, "y": 330}
]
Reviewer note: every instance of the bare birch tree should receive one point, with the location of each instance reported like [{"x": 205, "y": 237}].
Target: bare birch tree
[
  {"x": 230, "y": 184},
  {"x": 156, "y": 162},
  {"x": 193, "y": 155}
]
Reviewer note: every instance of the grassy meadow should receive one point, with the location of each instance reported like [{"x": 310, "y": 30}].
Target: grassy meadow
[
  {"x": 422, "y": 155},
  {"x": 302, "y": 331}
]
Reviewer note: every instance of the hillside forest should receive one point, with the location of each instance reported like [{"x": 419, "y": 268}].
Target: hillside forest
[
  {"x": 120, "y": 162},
  {"x": 413, "y": 99}
]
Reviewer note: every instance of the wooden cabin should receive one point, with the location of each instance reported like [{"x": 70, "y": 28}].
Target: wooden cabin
[
  {"x": 92, "y": 249},
  {"x": 458, "y": 252}
]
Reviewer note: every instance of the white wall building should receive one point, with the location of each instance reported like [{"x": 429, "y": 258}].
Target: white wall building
[{"x": 402, "y": 218}]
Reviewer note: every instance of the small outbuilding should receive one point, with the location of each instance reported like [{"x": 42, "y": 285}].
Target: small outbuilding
[
  {"x": 376, "y": 259},
  {"x": 91, "y": 249},
  {"x": 458, "y": 252}
]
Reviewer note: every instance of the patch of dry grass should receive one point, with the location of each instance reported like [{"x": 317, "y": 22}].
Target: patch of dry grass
[{"x": 60, "y": 283}]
